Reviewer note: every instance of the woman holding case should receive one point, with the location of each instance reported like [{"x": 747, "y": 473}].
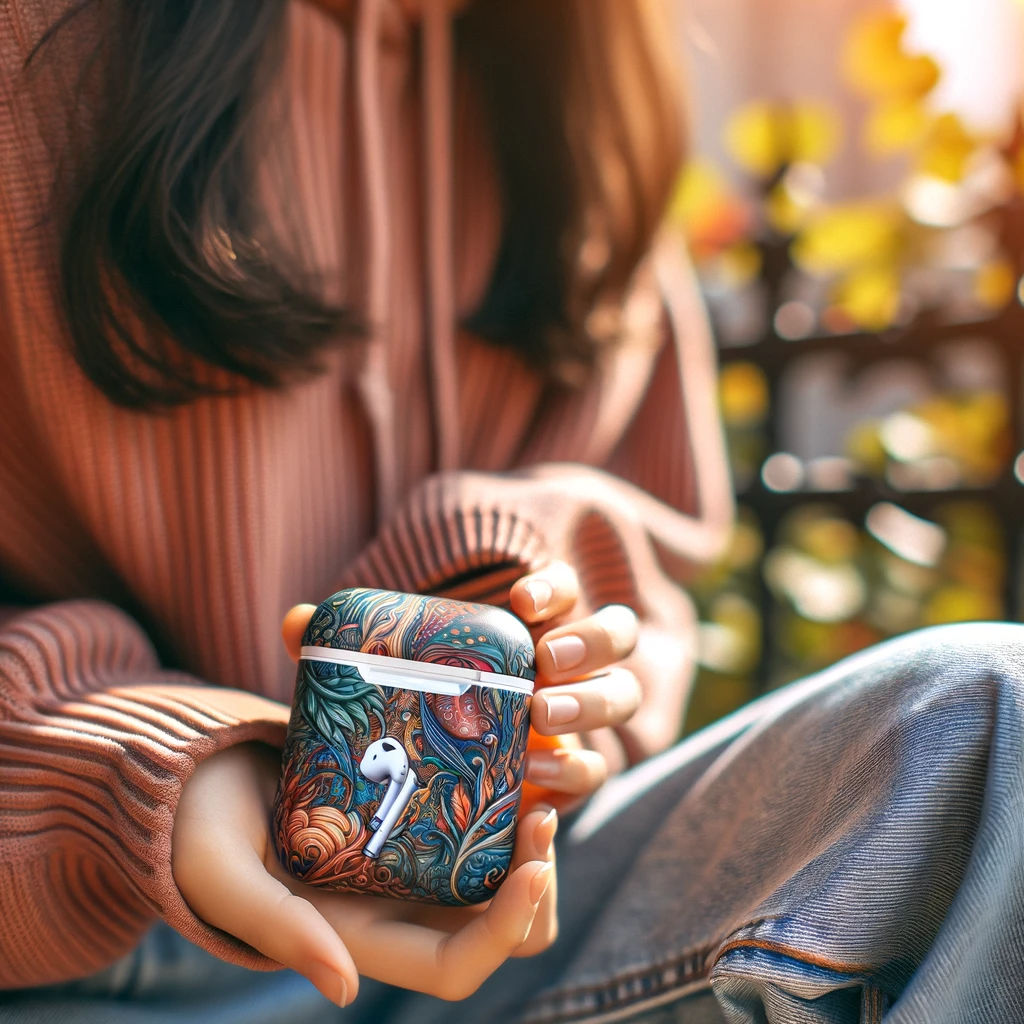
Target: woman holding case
[{"x": 298, "y": 296}]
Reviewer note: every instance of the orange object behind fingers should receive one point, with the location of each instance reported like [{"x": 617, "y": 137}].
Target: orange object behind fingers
[{"x": 532, "y": 793}]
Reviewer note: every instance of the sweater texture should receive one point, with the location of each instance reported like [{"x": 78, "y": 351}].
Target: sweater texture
[{"x": 146, "y": 559}]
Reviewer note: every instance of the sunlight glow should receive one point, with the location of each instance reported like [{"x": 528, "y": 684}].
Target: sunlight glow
[{"x": 979, "y": 44}]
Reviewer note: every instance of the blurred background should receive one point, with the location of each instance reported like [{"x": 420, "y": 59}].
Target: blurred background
[{"x": 854, "y": 203}]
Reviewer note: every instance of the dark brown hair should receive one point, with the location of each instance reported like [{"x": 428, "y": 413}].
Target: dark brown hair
[{"x": 173, "y": 288}]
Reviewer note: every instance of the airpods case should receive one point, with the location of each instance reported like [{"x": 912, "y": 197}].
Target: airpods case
[{"x": 403, "y": 766}]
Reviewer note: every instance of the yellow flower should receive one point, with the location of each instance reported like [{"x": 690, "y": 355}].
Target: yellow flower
[
  {"x": 946, "y": 149},
  {"x": 739, "y": 622},
  {"x": 783, "y": 212},
  {"x": 816, "y": 133},
  {"x": 975, "y": 566},
  {"x": 762, "y": 136},
  {"x": 877, "y": 66},
  {"x": 865, "y": 447},
  {"x": 848, "y": 236},
  {"x": 943, "y": 416},
  {"x": 738, "y": 265},
  {"x": 875, "y": 63},
  {"x": 971, "y": 522},
  {"x": 994, "y": 283},
  {"x": 709, "y": 213},
  {"x": 955, "y": 603},
  {"x": 983, "y": 441},
  {"x": 747, "y": 544},
  {"x": 895, "y": 125},
  {"x": 743, "y": 394},
  {"x": 870, "y": 296},
  {"x": 830, "y": 540},
  {"x": 974, "y": 430},
  {"x": 753, "y": 139}
]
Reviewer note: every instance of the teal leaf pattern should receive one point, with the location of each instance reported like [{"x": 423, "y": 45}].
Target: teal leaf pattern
[{"x": 335, "y": 700}]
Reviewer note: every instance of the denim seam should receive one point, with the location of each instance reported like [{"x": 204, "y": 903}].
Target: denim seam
[
  {"x": 633, "y": 990},
  {"x": 791, "y": 953},
  {"x": 874, "y": 1003}
]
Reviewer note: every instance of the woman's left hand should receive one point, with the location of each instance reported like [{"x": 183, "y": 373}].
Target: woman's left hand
[{"x": 581, "y": 685}]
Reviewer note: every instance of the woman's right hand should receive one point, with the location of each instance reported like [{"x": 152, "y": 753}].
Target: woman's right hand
[{"x": 226, "y": 866}]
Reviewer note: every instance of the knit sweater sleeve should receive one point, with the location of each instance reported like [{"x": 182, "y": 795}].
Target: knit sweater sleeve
[{"x": 96, "y": 742}]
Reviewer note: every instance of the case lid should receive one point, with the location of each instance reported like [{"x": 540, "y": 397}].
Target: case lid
[{"x": 400, "y": 637}]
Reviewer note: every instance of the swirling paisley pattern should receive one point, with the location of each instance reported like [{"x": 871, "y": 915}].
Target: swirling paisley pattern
[{"x": 454, "y": 842}]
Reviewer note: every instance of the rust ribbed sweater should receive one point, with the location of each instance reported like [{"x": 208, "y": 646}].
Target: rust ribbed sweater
[{"x": 191, "y": 532}]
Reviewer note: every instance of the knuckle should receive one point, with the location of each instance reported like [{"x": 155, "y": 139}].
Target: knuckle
[
  {"x": 597, "y": 776},
  {"x": 451, "y": 981},
  {"x": 570, "y": 579},
  {"x": 620, "y": 625},
  {"x": 454, "y": 990},
  {"x": 591, "y": 769},
  {"x": 631, "y": 690},
  {"x": 619, "y": 696},
  {"x": 608, "y": 641}
]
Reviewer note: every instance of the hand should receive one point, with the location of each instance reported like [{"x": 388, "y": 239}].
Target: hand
[
  {"x": 609, "y": 530},
  {"x": 226, "y": 866},
  {"x": 580, "y": 686}
]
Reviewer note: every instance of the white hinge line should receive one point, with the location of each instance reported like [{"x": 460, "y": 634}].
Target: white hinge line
[{"x": 425, "y": 676}]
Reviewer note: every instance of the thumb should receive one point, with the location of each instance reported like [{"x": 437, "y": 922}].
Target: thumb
[
  {"x": 237, "y": 894},
  {"x": 294, "y": 625},
  {"x": 222, "y": 858}
]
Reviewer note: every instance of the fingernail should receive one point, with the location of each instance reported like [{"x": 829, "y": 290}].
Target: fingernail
[
  {"x": 566, "y": 652},
  {"x": 540, "y": 592},
  {"x": 330, "y": 983},
  {"x": 562, "y": 709},
  {"x": 540, "y": 883},
  {"x": 544, "y": 836},
  {"x": 541, "y": 768}
]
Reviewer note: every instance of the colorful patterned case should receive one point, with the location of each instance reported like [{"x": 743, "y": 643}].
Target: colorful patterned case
[{"x": 404, "y": 761}]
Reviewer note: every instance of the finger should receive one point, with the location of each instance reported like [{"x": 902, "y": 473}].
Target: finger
[
  {"x": 546, "y": 593},
  {"x": 534, "y": 842},
  {"x": 589, "y": 645},
  {"x": 247, "y": 902},
  {"x": 294, "y": 625},
  {"x": 608, "y": 699},
  {"x": 578, "y": 772},
  {"x": 537, "y": 842},
  {"x": 221, "y": 874},
  {"x": 502, "y": 929},
  {"x": 432, "y": 960}
]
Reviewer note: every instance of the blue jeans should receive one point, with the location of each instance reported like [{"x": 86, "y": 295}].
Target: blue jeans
[{"x": 847, "y": 849}]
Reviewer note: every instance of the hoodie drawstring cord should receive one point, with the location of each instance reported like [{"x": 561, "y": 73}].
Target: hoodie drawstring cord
[
  {"x": 438, "y": 187},
  {"x": 374, "y": 386},
  {"x": 373, "y": 383}
]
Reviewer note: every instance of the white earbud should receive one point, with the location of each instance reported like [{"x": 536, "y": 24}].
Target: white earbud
[{"x": 386, "y": 760}]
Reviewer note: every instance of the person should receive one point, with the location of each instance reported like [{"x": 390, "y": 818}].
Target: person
[{"x": 298, "y": 296}]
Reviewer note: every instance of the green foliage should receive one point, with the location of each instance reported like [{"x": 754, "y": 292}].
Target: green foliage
[{"x": 335, "y": 699}]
